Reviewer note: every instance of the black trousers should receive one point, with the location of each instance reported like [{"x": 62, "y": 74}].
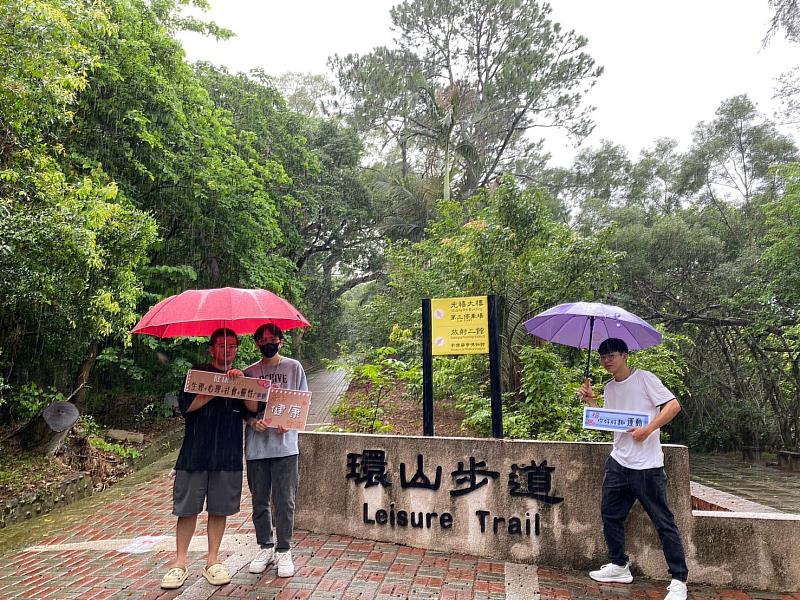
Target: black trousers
[
  {"x": 621, "y": 488},
  {"x": 273, "y": 486}
]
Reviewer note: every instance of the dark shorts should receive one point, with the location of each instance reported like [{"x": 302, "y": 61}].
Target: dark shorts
[{"x": 223, "y": 489}]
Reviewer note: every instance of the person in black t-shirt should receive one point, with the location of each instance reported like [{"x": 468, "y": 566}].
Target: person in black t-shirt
[{"x": 209, "y": 466}]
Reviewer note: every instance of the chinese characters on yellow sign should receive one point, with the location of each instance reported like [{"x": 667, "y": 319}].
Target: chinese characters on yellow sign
[{"x": 459, "y": 325}]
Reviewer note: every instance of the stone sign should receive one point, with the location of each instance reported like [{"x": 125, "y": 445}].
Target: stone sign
[{"x": 525, "y": 501}]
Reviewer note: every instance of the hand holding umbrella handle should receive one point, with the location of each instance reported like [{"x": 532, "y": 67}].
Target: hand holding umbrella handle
[{"x": 586, "y": 393}]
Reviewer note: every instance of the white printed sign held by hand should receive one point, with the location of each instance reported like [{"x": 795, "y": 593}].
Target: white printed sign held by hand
[{"x": 607, "y": 419}]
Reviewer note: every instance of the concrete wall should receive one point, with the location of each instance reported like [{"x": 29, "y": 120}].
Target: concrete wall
[
  {"x": 708, "y": 498},
  {"x": 756, "y": 550},
  {"x": 547, "y": 514}
]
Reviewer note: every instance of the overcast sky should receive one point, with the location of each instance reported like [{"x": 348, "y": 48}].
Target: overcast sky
[{"x": 668, "y": 63}]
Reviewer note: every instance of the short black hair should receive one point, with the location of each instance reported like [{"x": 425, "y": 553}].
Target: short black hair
[
  {"x": 222, "y": 332},
  {"x": 271, "y": 327},
  {"x": 613, "y": 345}
]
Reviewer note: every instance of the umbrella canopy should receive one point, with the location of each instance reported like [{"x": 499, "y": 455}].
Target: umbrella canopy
[
  {"x": 571, "y": 324},
  {"x": 200, "y": 312},
  {"x": 588, "y": 324}
]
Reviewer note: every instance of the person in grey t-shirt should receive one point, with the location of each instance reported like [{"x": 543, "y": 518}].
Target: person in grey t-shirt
[{"x": 272, "y": 457}]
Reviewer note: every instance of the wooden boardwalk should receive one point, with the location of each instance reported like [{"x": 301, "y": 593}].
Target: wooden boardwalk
[{"x": 327, "y": 387}]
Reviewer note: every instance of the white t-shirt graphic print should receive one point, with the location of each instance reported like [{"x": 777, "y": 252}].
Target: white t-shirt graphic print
[
  {"x": 640, "y": 392},
  {"x": 287, "y": 374}
]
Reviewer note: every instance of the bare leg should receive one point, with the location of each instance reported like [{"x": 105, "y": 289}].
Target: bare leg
[
  {"x": 183, "y": 537},
  {"x": 216, "y": 529}
]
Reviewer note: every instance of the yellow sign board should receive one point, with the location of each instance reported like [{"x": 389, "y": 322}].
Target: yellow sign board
[{"x": 460, "y": 325}]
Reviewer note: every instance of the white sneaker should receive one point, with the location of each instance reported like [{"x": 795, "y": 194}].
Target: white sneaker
[
  {"x": 285, "y": 564},
  {"x": 262, "y": 560},
  {"x": 677, "y": 590},
  {"x": 612, "y": 573}
]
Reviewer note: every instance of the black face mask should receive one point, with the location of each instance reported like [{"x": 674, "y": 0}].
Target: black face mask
[{"x": 269, "y": 350}]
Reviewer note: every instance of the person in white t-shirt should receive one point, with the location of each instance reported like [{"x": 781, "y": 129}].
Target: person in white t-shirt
[{"x": 635, "y": 469}]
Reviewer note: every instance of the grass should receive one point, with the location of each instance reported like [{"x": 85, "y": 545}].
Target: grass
[{"x": 26, "y": 474}]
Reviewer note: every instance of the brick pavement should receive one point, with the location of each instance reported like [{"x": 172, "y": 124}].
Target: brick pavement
[
  {"x": 79, "y": 556},
  {"x": 83, "y": 560}
]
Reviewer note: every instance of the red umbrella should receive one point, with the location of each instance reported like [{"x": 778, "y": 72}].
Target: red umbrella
[{"x": 199, "y": 313}]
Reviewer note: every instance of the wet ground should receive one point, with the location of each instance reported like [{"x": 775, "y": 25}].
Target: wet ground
[
  {"x": 755, "y": 482},
  {"x": 84, "y": 550},
  {"x": 327, "y": 386}
]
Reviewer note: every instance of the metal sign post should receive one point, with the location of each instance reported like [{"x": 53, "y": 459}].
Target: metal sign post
[
  {"x": 427, "y": 369},
  {"x": 453, "y": 326},
  {"x": 495, "y": 383}
]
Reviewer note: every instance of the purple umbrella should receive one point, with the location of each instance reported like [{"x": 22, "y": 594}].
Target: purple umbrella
[{"x": 575, "y": 323}]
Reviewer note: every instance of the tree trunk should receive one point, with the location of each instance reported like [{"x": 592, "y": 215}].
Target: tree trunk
[
  {"x": 297, "y": 344},
  {"x": 46, "y": 431},
  {"x": 84, "y": 372},
  {"x": 404, "y": 159},
  {"x": 446, "y": 173}
]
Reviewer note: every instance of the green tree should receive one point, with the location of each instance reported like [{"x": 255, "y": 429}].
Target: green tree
[
  {"x": 306, "y": 93},
  {"x": 466, "y": 85},
  {"x": 786, "y": 18},
  {"x": 731, "y": 156},
  {"x": 778, "y": 326},
  {"x": 505, "y": 242},
  {"x": 337, "y": 220},
  {"x": 695, "y": 262},
  {"x": 311, "y": 167},
  {"x": 70, "y": 245},
  {"x": 149, "y": 121}
]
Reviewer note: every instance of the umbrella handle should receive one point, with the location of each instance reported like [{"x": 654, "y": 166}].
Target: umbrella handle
[{"x": 587, "y": 371}]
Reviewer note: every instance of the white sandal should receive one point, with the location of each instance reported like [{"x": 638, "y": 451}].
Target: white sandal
[
  {"x": 174, "y": 578},
  {"x": 217, "y": 574}
]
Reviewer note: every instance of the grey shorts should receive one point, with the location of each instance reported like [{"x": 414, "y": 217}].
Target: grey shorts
[{"x": 223, "y": 489}]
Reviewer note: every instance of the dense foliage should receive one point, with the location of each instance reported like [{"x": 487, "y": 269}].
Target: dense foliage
[
  {"x": 702, "y": 242},
  {"x": 127, "y": 174}
]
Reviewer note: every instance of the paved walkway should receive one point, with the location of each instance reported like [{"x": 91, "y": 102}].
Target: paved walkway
[
  {"x": 84, "y": 552},
  {"x": 119, "y": 543},
  {"x": 327, "y": 387},
  {"x": 755, "y": 482}
]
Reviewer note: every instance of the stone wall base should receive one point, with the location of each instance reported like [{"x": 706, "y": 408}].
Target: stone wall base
[{"x": 45, "y": 500}]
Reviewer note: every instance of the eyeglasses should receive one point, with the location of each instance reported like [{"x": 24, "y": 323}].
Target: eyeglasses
[
  {"x": 610, "y": 356},
  {"x": 218, "y": 345}
]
